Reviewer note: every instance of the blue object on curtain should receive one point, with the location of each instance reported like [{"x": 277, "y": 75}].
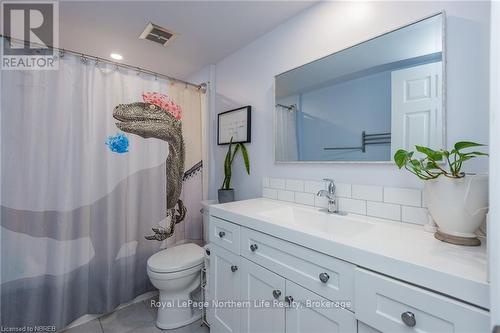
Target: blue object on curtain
[{"x": 118, "y": 143}]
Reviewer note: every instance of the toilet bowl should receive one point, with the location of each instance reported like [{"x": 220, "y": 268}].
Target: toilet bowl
[{"x": 176, "y": 273}]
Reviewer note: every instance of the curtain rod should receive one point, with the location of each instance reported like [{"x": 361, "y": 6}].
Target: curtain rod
[{"x": 202, "y": 87}]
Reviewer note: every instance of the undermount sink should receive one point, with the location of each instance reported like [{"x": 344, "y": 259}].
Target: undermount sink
[{"x": 314, "y": 220}]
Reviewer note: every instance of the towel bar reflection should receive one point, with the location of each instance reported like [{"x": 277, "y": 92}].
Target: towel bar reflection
[
  {"x": 367, "y": 139},
  {"x": 291, "y": 107}
]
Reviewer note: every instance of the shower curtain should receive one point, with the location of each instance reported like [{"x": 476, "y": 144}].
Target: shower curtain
[
  {"x": 74, "y": 213},
  {"x": 286, "y": 129}
]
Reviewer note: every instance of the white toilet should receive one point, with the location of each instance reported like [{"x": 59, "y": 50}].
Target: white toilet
[{"x": 176, "y": 272}]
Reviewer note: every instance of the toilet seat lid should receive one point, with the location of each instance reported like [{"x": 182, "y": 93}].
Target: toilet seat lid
[{"x": 176, "y": 258}]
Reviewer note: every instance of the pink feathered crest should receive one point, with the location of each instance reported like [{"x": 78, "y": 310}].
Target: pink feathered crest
[{"x": 164, "y": 102}]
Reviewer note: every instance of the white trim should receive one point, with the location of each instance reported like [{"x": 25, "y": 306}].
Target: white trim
[{"x": 494, "y": 167}]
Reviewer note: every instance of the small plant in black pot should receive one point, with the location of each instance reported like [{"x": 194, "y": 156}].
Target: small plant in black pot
[{"x": 226, "y": 193}]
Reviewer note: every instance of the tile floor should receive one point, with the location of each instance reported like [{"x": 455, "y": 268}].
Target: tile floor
[{"x": 135, "y": 318}]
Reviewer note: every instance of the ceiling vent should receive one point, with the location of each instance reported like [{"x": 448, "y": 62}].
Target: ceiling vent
[{"x": 157, "y": 34}]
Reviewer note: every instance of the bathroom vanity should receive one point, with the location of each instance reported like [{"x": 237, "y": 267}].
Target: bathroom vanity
[{"x": 299, "y": 269}]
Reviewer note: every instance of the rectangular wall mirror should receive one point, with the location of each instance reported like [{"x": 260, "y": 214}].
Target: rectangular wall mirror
[{"x": 363, "y": 103}]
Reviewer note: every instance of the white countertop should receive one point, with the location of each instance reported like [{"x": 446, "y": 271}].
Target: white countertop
[{"x": 400, "y": 250}]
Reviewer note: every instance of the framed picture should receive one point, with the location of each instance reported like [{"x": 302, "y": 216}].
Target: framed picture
[{"x": 234, "y": 124}]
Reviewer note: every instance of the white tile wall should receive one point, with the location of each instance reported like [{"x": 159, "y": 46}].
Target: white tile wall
[
  {"x": 265, "y": 182},
  {"x": 304, "y": 198},
  {"x": 352, "y": 206},
  {"x": 294, "y": 185},
  {"x": 366, "y": 192},
  {"x": 399, "y": 204},
  {"x": 312, "y": 186},
  {"x": 403, "y": 196},
  {"x": 286, "y": 195},
  {"x": 270, "y": 193},
  {"x": 277, "y": 183},
  {"x": 383, "y": 210},
  {"x": 343, "y": 190},
  {"x": 320, "y": 202},
  {"x": 415, "y": 215}
]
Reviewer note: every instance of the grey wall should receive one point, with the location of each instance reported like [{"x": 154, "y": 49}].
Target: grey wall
[{"x": 247, "y": 76}]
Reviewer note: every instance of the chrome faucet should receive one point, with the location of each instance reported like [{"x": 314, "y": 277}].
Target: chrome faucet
[{"x": 330, "y": 195}]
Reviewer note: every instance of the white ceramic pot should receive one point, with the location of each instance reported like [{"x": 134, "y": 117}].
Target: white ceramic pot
[{"x": 458, "y": 206}]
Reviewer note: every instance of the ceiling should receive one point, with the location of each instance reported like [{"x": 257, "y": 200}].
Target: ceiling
[{"x": 208, "y": 30}]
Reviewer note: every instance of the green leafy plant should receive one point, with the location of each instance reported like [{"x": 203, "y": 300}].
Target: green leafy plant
[
  {"x": 228, "y": 162},
  {"x": 437, "y": 162}
]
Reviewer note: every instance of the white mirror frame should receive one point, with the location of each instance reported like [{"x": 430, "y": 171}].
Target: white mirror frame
[{"x": 444, "y": 60}]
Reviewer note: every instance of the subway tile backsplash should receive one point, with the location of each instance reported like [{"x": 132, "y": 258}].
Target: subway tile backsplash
[
  {"x": 270, "y": 193},
  {"x": 294, "y": 185},
  {"x": 313, "y": 186},
  {"x": 417, "y": 215},
  {"x": 392, "y": 203},
  {"x": 403, "y": 196},
  {"x": 354, "y": 206},
  {"x": 366, "y": 192},
  {"x": 383, "y": 210},
  {"x": 304, "y": 198},
  {"x": 277, "y": 183},
  {"x": 286, "y": 195}
]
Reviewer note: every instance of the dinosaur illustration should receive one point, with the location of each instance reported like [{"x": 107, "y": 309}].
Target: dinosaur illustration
[{"x": 151, "y": 121}]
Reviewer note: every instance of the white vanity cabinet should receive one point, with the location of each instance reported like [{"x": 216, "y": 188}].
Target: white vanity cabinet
[
  {"x": 275, "y": 303},
  {"x": 289, "y": 288},
  {"x": 264, "y": 290},
  {"x": 315, "y": 318},
  {"x": 278, "y": 305},
  {"x": 324, "y": 275},
  {"x": 224, "y": 287}
]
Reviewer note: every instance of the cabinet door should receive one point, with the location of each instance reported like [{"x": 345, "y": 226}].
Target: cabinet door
[
  {"x": 363, "y": 328},
  {"x": 263, "y": 290},
  {"x": 224, "y": 289},
  {"x": 320, "y": 317}
]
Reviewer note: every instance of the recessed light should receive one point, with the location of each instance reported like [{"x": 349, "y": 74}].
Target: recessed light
[{"x": 116, "y": 56}]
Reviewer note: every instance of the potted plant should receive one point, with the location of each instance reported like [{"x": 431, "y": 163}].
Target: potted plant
[
  {"x": 226, "y": 193},
  {"x": 456, "y": 201}
]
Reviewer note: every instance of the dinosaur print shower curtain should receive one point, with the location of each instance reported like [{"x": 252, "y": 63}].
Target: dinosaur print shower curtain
[{"x": 75, "y": 213}]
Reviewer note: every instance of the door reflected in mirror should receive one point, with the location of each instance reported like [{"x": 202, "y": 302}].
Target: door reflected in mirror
[{"x": 363, "y": 103}]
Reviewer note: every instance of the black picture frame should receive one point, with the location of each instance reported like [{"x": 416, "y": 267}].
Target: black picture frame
[{"x": 248, "y": 138}]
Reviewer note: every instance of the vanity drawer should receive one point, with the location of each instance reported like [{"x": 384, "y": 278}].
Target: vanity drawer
[
  {"x": 225, "y": 234},
  {"x": 301, "y": 265},
  {"x": 383, "y": 303}
]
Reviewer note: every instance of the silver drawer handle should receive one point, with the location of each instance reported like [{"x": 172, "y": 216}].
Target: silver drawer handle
[
  {"x": 234, "y": 268},
  {"x": 253, "y": 247},
  {"x": 222, "y": 234},
  {"x": 324, "y": 277},
  {"x": 276, "y": 293},
  {"x": 409, "y": 319}
]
